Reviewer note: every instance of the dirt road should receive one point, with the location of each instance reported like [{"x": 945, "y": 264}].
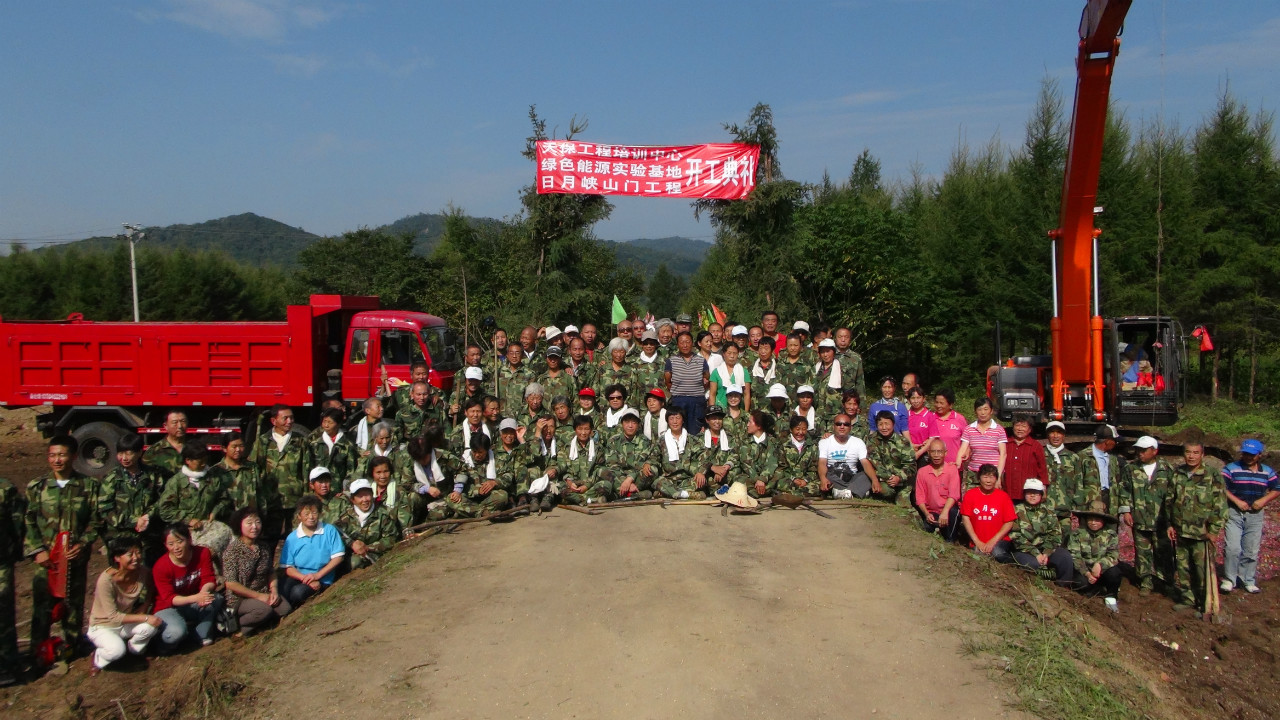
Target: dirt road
[{"x": 643, "y": 612}]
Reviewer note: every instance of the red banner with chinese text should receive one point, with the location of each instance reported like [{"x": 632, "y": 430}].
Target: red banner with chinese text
[{"x": 718, "y": 171}]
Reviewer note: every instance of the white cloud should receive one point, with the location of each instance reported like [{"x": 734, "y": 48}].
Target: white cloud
[
  {"x": 1256, "y": 48},
  {"x": 251, "y": 19},
  {"x": 299, "y": 65}
]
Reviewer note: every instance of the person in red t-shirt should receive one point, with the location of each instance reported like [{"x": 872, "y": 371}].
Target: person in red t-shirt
[
  {"x": 185, "y": 596},
  {"x": 987, "y": 514}
]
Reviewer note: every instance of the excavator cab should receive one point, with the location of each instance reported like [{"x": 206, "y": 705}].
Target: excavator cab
[{"x": 1144, "y": 360}]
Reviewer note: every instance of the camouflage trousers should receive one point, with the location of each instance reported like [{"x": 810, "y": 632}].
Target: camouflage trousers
[
  {"x": 8, "y": 622},
  {"x": 469, "y": 507},
  {"x": 900, "y": 495},
  {"x": 42, "y": 603},
  {"x": 1152, "y": 556},
  {"x": 811, "y": 488},
  {"x": 672, "y": 485},
  {"x": 1190, "y": 561},
  {"x": 643, "y": 485},
  {"x": 596, "y": 492},
  {"x": 750, "y": 482}
]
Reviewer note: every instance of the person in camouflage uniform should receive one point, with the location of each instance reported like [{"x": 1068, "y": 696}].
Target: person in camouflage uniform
[
  {"x": 411, "y": 418},
  {"x": 533, "y": 407},
  {"x": 804, "y": 407},
  {"x": 1142, "y": 492},
  {"x": 196, "y": 493},
  {"x": 1091, "y": 477},
  {"x": 755, "y": 464},
  {"x": 556, "y": 380},
  {"x": 851, "y": 404},
  {"x": 852, "y": 376},
  {"x": 1196, "y": 513},
  {"x": 828, "y": 380},
  {"x": 507, "y": 455},
  {"x": 797, "y": 472},
  {"x": 680, "y": 456},
  {"x": 400, "y": 398},
  {"x": 735, "y": 415},
  {"x": 647, "y": 367},
  {"x": 562, "y": 415},
  {"x": 335, "y": 450},
  {"x": 496, "y": 359},
  {"x": 719, "y": 451},
  {"x": 777, "y": 405},
  {"x": 127, "y": 498},
  {"x": 472, "y": 424},
  {"x": 538, "y": 457},
  {"x": 389, "y": 492},
  {"x": 327, "y": 405},
  {"x": 579, "y": 462},
  {"x": 794, "y": 369},
  {"x": 167, "y": 453},
  {"x": 1036, "y": 539},
  {"x": 322, "y": 486},
  {"x": 368, "y": 530},
  {"x": 434, "y": 471},
  {"x": 894, "y": 458},
  {"x": 1095, "y": 553},
  {"x": 616, "y": 371},
  {"x": 513, "y": 377},
  {"x": 62, "y": 500},
  {"x": 246, "y": 481},
  {"x": 284, "y": 459},
  {"x": 630, "y": 460},
  {"x": 583, "y": 369},
  {"x": 472, "y": 389},
  {"x": 382, "y": 444},
  {"x": 13, "y": 508},
  {"x": 1066, "y": 491},
  {"x": 615, "y": 398},
  {"x": 484, "y": 491}
]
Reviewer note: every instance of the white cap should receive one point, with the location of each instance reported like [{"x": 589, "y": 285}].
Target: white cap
[
  {"x": 553, "y": 332},
  {"x": 1032, "y": 485},
  {"x": 508, "y": 424},
  {"x": 776, "y": 390},
  {"x": 1145, "y": 442},
  {"x": 629, "y": 413},
  {"x": 731, "y": 389},
  {"x": 571, "y": 329},
  {"x": 740, "y": 330},
  {"x": 474, "y": 373},
  {"x": 318, "y": 471},
  {"x": 827, "y": 343},
  {"x": 358, "y": 485},
  {"x": 804, "y": 389},
  {"x": 799, "y": 325},
  {"x": 1055, "y": 424}
]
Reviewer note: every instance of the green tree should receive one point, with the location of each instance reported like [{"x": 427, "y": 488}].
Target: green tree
[{"x": 665, "y": 292}]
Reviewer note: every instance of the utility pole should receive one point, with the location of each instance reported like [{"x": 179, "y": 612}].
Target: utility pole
[{"x": 129, "y": 233}]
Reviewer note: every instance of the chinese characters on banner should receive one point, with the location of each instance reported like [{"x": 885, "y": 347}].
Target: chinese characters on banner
[{"x": 723, "y": 171}]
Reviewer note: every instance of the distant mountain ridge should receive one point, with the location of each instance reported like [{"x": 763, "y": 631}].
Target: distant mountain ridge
[{"x": 258, "y": 240}]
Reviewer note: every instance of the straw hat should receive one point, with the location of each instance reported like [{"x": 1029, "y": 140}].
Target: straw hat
[
  {"x": 1097, "y": 511},
  {"x": 737, "y": 496}
]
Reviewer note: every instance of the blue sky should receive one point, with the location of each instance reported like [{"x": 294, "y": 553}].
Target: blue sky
[{"x": 336, "y": 115}]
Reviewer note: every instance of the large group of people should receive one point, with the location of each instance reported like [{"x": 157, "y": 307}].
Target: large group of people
[{"x": 558, "y": 416}]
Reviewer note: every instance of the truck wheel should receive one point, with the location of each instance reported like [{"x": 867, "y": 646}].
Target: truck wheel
[{"x": 97, "y": 452}]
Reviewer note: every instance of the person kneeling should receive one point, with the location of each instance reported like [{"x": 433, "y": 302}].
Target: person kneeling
[
  {"x": 1095, "y": 550},
  {"x": 1037, "y": 538},
  {"x": 987, "y": 513},
  {"x": 311, "y": 553},
  {"x": 184, "y": 582},
  {"x": 252, "y": 592},
  {"x": 937, "y": 493},
  {"x": 120, "y": 601}
]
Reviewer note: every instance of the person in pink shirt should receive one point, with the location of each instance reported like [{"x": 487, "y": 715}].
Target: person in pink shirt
[
  {"x": 937, "y": 494},
  {"x": 988, "y": 515},
  {"x": 922, "y": 423},
  {"x": 951, "y": 424}
]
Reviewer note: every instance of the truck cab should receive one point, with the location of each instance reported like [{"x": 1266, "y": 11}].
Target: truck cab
[{"x": 392, "y": 340}]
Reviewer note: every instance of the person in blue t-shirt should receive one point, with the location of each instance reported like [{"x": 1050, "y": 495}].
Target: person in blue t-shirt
[
  {"x": 311, "y": 555},
  {"x": 1250, "y": 486},
  {"x": 889, "y": 400}
]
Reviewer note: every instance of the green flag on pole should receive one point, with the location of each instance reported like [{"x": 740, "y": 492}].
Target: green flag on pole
[{"x": 618, "y": 313}]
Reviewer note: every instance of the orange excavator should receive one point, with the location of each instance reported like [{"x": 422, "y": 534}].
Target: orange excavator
[{"x": 1123, "y": 370}]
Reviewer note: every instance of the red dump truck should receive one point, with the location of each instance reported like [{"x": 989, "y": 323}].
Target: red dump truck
[{"x": 105, "y": 379}]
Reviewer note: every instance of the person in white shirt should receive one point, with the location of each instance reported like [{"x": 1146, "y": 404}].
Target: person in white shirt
[{"x": 843, "y": 466}]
